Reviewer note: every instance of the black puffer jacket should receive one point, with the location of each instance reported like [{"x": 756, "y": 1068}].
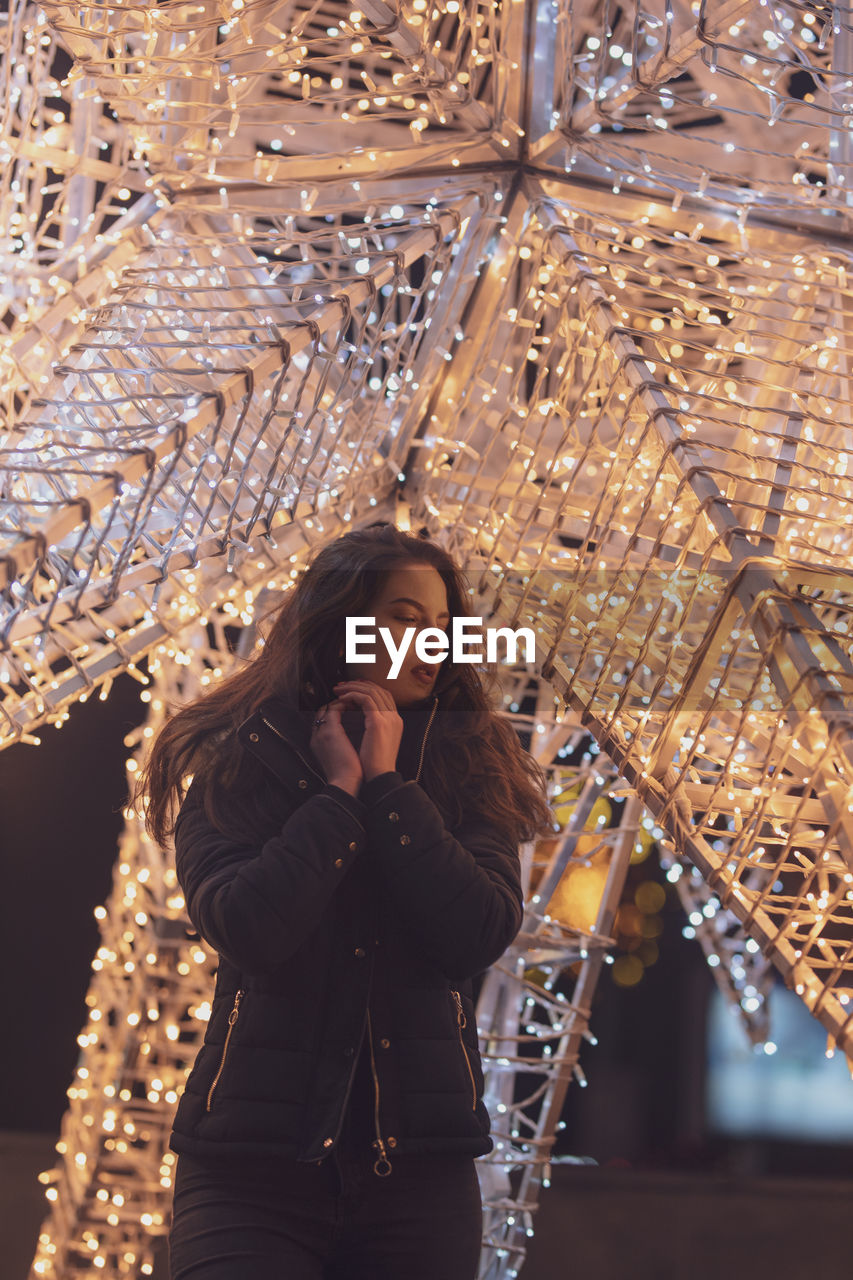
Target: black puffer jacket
[{"x": 354, "y": 917}]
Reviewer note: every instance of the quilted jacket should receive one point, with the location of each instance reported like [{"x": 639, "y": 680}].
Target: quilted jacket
[{"x": 351, "y": 925}]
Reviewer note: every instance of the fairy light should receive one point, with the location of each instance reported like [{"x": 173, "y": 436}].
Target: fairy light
[{"x": 653, "y": 394}]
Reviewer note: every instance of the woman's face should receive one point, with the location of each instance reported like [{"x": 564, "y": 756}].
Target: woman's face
[{"x": 414, "y": 596}]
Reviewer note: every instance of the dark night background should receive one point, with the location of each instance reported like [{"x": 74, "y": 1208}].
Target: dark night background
[
  {"x": 61, "y": 804},
  {"x": 642, "y": 1117}
]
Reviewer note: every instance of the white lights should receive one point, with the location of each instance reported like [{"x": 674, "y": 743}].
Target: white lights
[{"x": 636, "y": 401}]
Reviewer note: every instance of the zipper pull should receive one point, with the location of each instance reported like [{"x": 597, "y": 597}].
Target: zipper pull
[
  {"x": 232, "y": 1018},
  {"x": 462, "y": 1021},
  {"x": 382, "y": 1166}
]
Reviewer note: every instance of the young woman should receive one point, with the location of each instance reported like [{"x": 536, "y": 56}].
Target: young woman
[{"x": 348, "y": 845}]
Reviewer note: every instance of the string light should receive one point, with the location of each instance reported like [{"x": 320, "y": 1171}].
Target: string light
[{"x": 232, "y": 323}]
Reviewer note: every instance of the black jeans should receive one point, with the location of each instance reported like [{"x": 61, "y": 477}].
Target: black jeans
[{"x": 291, "y": 1220}]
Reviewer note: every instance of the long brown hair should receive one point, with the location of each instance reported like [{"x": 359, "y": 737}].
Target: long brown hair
[{"x": 472, "y": 750}]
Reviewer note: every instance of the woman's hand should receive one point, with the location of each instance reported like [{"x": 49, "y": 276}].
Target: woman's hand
[
  {"x": 383, "y": 727},
  {"x": 333, "y": 749}
]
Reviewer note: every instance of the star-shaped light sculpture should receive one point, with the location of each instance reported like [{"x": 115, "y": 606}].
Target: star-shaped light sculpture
[{"x": 564, "y": 282}]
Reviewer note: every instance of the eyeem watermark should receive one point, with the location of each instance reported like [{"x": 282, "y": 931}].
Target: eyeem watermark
[{"x": 432, "y": 644}]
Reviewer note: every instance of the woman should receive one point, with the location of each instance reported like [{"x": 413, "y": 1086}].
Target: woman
[{"x": 348, "y": 845}]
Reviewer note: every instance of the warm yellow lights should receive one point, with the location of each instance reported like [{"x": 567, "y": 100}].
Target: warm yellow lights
[{"x": 638, "y": 418}]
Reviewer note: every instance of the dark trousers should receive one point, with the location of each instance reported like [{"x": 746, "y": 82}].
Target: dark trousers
[{"x": 291, "y": 1220}]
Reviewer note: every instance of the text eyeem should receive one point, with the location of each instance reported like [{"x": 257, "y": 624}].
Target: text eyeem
[{"x": 432, "y": 644}]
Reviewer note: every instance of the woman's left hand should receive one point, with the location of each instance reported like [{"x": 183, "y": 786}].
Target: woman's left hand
[{"x": 383, "y": 727}]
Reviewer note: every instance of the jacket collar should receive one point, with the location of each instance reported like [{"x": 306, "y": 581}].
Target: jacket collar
[{"x": 295, "y": 727}]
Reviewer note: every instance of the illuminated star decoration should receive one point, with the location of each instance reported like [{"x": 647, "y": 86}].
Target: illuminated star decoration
[{"x": 570, "y": 277}]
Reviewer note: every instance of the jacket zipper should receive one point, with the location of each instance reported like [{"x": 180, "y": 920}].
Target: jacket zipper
[
  {"x": 279, "y": 734},
  {"x": 349, "y": 1088},
  {"x": 232, "y": 1018},
  {"x": 383, "y": 1158},
  {"x": 426, "y": 731},
  {"x": 462, "y": 1021}
]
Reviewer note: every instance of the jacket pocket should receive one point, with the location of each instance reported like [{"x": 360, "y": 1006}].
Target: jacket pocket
[
  {"x": 232, "y": 1022},
  {"x": 461, "y": 1021}
]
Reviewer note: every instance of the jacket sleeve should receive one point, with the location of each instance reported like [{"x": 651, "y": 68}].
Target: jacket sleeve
[
  {"x": 257, "y": 904},
  {"x": 458, "y": 892}
]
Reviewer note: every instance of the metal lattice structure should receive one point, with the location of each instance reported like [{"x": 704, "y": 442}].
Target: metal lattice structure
[
  {"x": 564, "y": 282},
  {"x": 531, "y": 1027}
]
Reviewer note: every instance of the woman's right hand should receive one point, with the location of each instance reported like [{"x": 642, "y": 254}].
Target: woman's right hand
[{"x": 334, "y": 751}]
